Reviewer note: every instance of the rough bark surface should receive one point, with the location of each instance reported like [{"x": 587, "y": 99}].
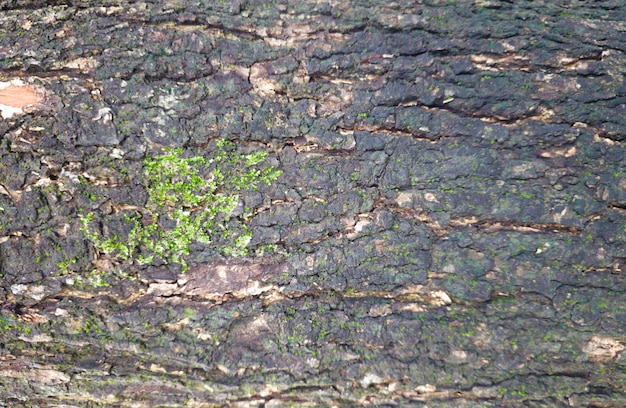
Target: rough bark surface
[{"x": 450, "y": 226}]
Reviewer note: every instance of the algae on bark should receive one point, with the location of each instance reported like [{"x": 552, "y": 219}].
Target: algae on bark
[{"x": 190, "y": 199}]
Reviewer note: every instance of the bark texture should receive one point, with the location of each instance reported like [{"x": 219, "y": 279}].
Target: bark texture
[{"x": 449, "y": 229}]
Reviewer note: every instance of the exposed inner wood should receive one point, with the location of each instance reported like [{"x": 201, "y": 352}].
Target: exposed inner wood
[{"x": 18, "y": 96}]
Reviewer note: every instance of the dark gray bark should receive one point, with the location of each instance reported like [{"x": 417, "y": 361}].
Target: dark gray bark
[{"x": 449, "y": 227}]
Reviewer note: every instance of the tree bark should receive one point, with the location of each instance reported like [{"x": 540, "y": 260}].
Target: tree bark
[{"x": 448, "y": 230}]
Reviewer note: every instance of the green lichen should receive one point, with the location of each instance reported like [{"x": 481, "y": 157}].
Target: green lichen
[{"x": 190, "y": 199}]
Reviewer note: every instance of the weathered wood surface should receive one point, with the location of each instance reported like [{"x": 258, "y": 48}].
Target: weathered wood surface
[{"x": 450, "y": 224}]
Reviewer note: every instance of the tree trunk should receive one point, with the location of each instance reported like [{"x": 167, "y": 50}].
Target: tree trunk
[{"x": 448, "y": 229}]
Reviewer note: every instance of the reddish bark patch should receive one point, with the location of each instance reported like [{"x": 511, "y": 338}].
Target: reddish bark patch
[
  {"x": 217, "y": 279},
  {"x": 18, "y": 96}
]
